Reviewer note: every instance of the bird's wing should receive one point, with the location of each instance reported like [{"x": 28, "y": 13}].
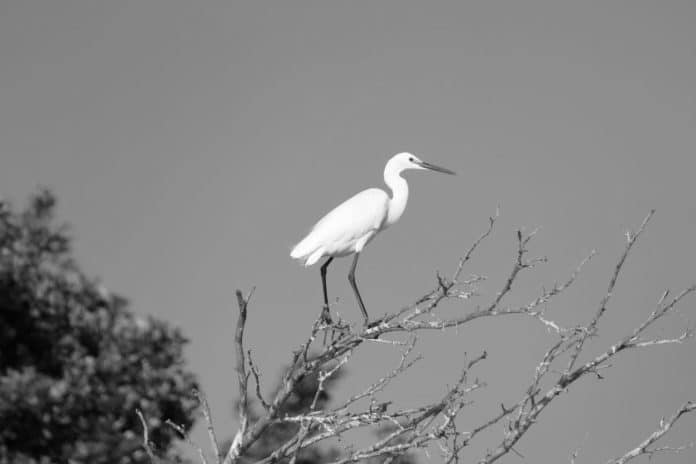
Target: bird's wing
[{"x": 352, "y": 219}]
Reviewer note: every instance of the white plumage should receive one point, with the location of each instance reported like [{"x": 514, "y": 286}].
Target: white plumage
[
  {"x": 346, "y": 229},
  {"x": 350, "y": 226}
]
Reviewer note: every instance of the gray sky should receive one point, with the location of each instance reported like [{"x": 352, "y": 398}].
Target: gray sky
[{"x": 191, "y": 144}]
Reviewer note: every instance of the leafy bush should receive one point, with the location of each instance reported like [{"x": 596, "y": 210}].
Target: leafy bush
[{"x": 75, "y": 363}]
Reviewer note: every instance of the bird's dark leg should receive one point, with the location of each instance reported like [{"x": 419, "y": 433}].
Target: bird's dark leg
[
  {"x": 325, "y": 314},
  {"x": 351, "y": 279}
]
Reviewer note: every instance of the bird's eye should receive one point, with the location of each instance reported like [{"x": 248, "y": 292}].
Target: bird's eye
[{"x": 411, "y": 159}]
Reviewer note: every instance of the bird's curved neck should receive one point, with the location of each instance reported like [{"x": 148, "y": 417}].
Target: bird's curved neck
[{"x": 399, "y": 198}]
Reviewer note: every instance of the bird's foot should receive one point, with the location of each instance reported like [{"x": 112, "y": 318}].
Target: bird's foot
[
  {"x": 327, "y": 324},
  {"x": 325, "y": 316}
]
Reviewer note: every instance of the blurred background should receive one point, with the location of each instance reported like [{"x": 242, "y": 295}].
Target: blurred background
[{"x": 192, "y": 144}]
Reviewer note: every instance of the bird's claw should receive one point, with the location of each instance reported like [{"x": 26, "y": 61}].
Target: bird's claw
[{"x": 326, "y": 316}]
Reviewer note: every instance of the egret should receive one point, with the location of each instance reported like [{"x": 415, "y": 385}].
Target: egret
[{"x": 350, "y": 226}]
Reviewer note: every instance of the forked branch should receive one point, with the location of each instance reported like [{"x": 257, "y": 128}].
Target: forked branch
[
  {"x": 644, "y": 448},
  {"x": 433, "y": 424}
]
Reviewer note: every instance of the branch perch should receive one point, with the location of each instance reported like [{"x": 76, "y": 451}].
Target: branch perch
[{"x": 433, "y": 424}]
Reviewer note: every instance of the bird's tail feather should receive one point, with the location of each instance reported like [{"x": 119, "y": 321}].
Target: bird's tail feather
[
  {"x": 300, "y": 250},
  {"x": 315, "y": 256},
  {"x": 307, "y": 249}
]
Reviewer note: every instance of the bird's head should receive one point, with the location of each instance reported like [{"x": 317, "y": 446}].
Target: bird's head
[{"x": 405, "y": 160}]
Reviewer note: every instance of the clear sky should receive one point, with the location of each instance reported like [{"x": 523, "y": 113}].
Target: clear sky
[{"x": 191, "y": 144}]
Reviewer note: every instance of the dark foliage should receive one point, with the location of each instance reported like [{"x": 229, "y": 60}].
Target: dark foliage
[{"x": 75, "y": 363}]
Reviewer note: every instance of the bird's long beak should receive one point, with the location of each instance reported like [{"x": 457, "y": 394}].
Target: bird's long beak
[{"x": 432, "y": 167}]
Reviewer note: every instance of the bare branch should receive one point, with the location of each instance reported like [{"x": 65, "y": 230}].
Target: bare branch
[
  {"x": 472, "y": 248},
  {"x": 203, "y": 401},
  {"x": 534, "y": 403},
  {"x": 520, "y": 264},
  {"x": 180, "y": 430},
  {"x": 631, "y": 239},
  {"x": 242, "y": 378},
  {"x": 382, "y": 382},
  {"x": 547, "y": 296},
  {"x": 435, "y": 422},
  {"x": 146, "y": 438},
  {"x": 307, "y": 426},
  {"x": 255, "y": 371},
  {"x": 663, "y": 428}
]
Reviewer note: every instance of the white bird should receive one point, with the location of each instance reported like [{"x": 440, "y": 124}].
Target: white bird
[{"x": 350, "y": 226}]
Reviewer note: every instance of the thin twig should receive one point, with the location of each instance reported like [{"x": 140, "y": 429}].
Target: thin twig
[
  {"x": 203, "y": 401},
  {"x": 631, "y": 239},
  {"x": 257, "y": 376},
  {"x": 146, "y": 438},
  {"x": 180, "y": 430},
  {"x": 663, "y": 428},
  {"x": 472, "y": 248}
]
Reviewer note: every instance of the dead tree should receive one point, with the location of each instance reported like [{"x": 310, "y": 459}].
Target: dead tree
[{"x": 329, "y": 347}]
